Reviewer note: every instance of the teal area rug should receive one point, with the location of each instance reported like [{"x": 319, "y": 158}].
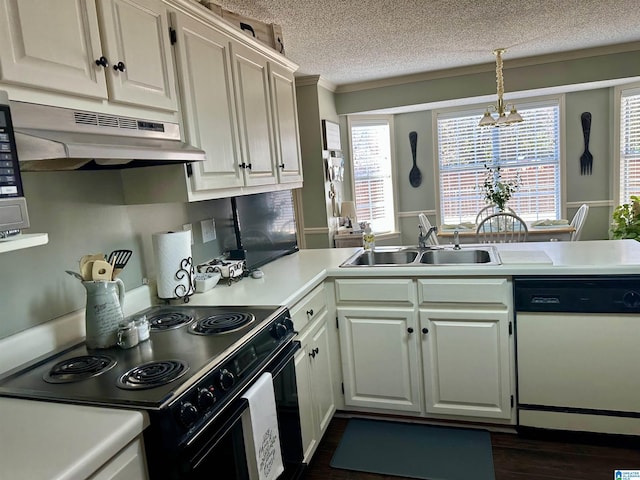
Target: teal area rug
[{"x": 415, "y": 451}]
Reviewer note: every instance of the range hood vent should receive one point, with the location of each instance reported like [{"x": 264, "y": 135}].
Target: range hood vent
[{"x": 54, "y": 138}]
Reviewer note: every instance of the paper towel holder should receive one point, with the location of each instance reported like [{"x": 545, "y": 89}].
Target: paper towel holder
[{"x": 186, "y": 270}]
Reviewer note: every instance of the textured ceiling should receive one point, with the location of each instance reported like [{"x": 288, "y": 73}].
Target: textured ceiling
[{"x": 348, "y": 41}]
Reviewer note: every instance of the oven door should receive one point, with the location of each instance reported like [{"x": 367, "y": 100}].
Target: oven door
[{"x": 219, "y": 451}]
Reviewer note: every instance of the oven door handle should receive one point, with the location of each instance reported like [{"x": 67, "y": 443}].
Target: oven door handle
[{"x": 234, "y": 416}]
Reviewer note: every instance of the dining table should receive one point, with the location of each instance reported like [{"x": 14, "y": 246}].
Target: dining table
[{"x": 539, "y": 231}]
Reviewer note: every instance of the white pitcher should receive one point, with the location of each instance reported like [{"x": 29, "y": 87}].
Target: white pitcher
[{"x": 103, "y": 315}]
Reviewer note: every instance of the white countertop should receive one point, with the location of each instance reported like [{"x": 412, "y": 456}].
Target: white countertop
[
  {"x": 97, "y": 433},
  {"x": 288, "y": 279},
  {"x": 47, "y": 441}
]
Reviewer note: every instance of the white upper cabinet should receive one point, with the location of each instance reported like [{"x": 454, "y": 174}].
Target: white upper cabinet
[
  {"x": 69, "y": 46},
  {"x": 238, "y": 104},
  {"x": 204, "y": 69},
  {"x": 135, "y": 38},
  {"x": 287, "y": 136},
  {"x": 254, "y": 110},
  {"x": 52, "y": 45}
]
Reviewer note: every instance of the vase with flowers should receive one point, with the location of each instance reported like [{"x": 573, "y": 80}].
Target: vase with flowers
[
  {"x": 626, "y": 220},
  {"x": 496, "y": 190}
]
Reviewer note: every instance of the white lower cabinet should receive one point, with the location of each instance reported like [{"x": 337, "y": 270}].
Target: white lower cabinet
[
  {"x": 314, "y": 371},
  {"x": 380, "y": 361},
  {"x": 128, "y": 464},
  {"x": 467, "y": 346},
  {"x": 447, "y": 340},
  {"x": 465, "y": 357}
]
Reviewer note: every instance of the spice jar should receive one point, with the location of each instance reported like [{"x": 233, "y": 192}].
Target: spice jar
[
  {"x": 142, "y": 325},
  {"x": 127, "y": 335}
]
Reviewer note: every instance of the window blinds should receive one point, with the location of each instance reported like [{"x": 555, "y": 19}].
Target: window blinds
[
  {"x": 372, "y": 173},
  {"x": 529, "y": 150},
  {"x": 629, "y": 144}
]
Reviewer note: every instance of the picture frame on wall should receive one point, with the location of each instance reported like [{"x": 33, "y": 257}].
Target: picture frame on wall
[{"x": 331, "y": 135}]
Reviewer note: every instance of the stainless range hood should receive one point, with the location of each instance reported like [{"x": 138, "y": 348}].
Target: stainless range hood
[{"x": 54, "y": 138}]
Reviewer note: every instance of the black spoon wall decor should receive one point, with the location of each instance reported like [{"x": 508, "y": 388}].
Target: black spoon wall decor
[
  {"x": 586, "y": 159},
  {"x": 415, "y": 176}
]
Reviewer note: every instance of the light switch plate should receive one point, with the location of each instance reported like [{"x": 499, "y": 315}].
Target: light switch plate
[
  {"x": 188, "y": 226},
  {"x": 208, "y": 227}
]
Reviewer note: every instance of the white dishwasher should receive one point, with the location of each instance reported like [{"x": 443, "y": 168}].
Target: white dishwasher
[{"x": 578, "y": 353}]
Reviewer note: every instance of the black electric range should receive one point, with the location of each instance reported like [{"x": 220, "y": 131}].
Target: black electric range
[{"x": 188, "y": 377}]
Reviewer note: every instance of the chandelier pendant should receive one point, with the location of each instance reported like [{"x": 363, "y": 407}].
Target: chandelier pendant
[{"x": 500, "y": 108}]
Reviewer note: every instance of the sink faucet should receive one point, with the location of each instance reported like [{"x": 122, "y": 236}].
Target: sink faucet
[
  {"x": 456, "y": 240},
  {"x": 424, "y": 237}
]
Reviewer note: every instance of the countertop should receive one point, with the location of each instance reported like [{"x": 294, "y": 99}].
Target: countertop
[
  {"x": 288, "y": 279},
  {"x": 95, "y": 434},
  {"x": 47, "y": 441}
]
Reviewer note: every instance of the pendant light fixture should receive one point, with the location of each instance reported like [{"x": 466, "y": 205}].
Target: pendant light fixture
[{"x": 500, "y": 108}]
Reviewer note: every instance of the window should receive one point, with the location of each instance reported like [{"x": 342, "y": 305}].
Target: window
[
  {"x": 629, "y": 163},
  {"x": 372, "y": 167},
  {"x": 529, "y": 150}
]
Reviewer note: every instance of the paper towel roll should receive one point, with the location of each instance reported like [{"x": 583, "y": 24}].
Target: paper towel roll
[{"x": 174, "y": 265}]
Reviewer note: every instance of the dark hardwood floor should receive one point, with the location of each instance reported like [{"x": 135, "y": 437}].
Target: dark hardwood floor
[{"x": 527, "y": 456}]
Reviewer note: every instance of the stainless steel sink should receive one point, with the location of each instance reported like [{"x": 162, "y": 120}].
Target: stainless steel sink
[
  {"x": 423, "y": 257},
  {"x": 440, "y": 257},
  {"x": 373, "y": 257}
]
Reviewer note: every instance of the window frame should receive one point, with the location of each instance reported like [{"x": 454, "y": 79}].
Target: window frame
[
  {"x": 521, "y": 103},
  {"x": 351, "y": 119},
  {"x": 618, "y": 92}
]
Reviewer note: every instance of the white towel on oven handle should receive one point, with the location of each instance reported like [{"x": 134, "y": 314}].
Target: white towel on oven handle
[{"x": 260, "y": 429}]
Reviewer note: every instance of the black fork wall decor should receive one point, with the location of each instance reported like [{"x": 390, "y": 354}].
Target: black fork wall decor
[{"x": 586, "y": 159}]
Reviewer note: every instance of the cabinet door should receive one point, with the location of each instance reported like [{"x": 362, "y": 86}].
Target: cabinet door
[
  {"x": 204, "y": 69},
  {"x": 322, "y": 379},
  {"x": 310, "y": 432},
  {"x": 135, "y": 34},
  {"x": 285, "y": 115},
  {"x": 254, "y": 113},
  {"x": 129, "y": 464},
  {"x": 380, "y": 359},
  {"x": 52, "y": 45},
  {"x": 466, "y": 362},
  {"x": 315, "y": 383}
]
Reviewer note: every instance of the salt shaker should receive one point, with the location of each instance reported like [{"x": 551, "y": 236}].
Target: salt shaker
[{"x": 142, "y": 325}]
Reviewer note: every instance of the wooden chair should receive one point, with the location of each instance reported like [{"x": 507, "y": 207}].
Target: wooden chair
[
  {"x": 490, "y": 209},
  {"x": 578, "y": 220},
  {"x": 503, "y": 227}
]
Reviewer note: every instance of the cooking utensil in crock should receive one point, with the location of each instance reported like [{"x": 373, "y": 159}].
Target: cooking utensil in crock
[
  {"x": 75, "y": 274},
  {"x": 415, "y": 175},
  {"x": 86, "y": 264},
  {"x": 119, "y": 259},
  {"x": 101, "y": 271}
]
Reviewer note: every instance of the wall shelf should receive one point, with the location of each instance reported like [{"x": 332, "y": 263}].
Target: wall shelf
[{"x": 23, "y": 241}]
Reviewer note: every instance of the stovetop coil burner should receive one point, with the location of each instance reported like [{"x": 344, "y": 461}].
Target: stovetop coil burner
[
  {"x": 79, "y": 368},
  {"x": 221, "y": 323},
  {"x": 169, "y": 320},
  {"x": 152, "y": 374}
]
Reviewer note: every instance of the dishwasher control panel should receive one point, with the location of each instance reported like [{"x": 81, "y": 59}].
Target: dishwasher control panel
[{"x": 579, "y": 294}]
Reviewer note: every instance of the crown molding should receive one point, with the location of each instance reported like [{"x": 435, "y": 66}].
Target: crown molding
[
  {"x": 490, "y": 67},
  {"x": 307, "y": 80}
]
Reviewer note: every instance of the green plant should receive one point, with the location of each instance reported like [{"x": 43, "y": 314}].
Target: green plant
[
  {"x": 626, "y": 220},
  {"x": 496, "y": 190}
]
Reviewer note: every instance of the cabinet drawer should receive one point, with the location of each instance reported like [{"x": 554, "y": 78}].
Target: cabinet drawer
[
  {"x": 376, "y": 291},
  {"x": 308, "y": 308},
  {"x": 465, "y": 290}
]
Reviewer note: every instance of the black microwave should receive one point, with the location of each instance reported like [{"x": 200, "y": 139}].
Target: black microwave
[{"x": 13, "y": 206}]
